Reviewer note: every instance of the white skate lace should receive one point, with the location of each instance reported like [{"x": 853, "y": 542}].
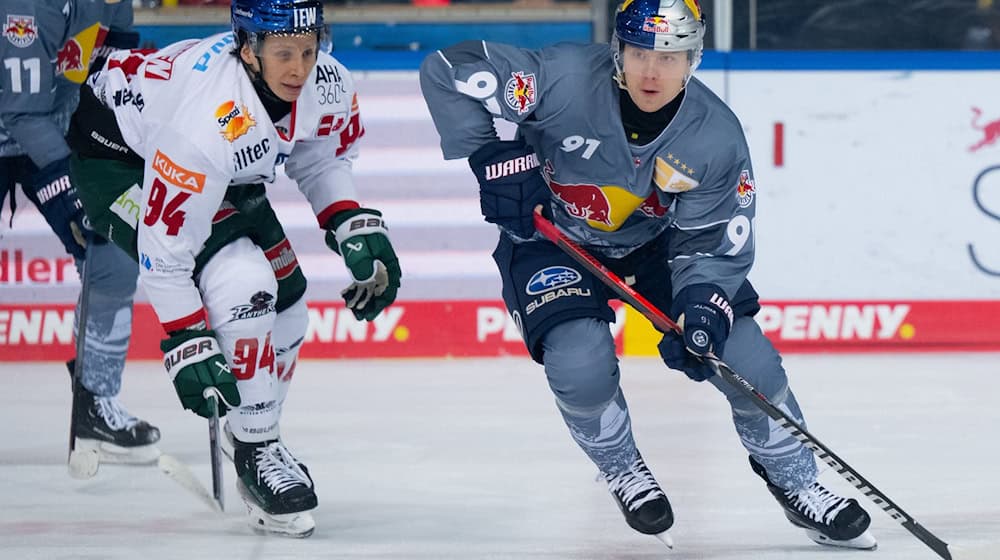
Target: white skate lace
[
  {"x": 817, "y": 502},
  {"x": 114, "y": 414},
  {"x": 278, "y": 469},
  {"x": 629, "y": 484}
]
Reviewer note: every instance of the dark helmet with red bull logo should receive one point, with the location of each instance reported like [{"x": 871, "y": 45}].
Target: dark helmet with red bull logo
[
  {"x": 255, "y": 19},
  {"x": 660, "y": 25}
]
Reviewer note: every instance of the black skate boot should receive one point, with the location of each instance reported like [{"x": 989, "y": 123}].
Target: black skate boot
[
  {"x": 276, "y": 488},
  {"x": 102, "y": 423},
  {"x": 642, "y": 501},
  {"x": 827, "y": 518}
]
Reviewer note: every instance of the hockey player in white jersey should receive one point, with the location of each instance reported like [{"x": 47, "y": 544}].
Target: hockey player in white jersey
[
  {"x": 642, "y": 164},
  {"x": 171, "y": 153}
]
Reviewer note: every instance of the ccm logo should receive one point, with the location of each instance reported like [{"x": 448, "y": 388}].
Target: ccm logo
[{"x": 177, "y": 175}]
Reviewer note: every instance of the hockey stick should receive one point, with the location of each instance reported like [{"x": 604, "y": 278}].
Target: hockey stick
[
  {"x": 665, "y": 324},
  {"x": 82, "y": 463},
  {"x": 215, "y": 446},
  {"x": 182, "y": 475}
]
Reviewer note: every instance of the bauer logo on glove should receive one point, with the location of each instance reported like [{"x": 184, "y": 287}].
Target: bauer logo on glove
[
  {"x": 194, "y": 361},
  {"x": 360, "y": 236}
]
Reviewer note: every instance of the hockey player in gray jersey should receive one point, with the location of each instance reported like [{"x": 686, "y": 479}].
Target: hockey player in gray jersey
[
  {"x": 48, "y": 47},
  {"x": 640, "y": 163}
]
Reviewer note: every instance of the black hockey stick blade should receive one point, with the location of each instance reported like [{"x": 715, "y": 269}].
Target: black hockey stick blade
[
  {"x": 665, "y": 324},
  {"x": 215, "y": 449}
]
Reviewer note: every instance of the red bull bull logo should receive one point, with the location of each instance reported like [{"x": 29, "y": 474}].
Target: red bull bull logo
[
  {"x": 520, "y": 92},
  {"x": 583, "y": 201},
  {"x": 990, "y": 131},
  {"x": 745, "y": 189},
  {"x": 651, "y": 207},
  {"x": 70, "y": 57},
  {"x": 656, "y": 24},
  {"x": 21, "y": 31},
  {"x": 235, "y": 120}
]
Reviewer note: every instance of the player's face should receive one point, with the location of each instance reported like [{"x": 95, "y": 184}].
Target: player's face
[
  {"x": 287, "y": 62},
  {"x": 653, "y": 78}
]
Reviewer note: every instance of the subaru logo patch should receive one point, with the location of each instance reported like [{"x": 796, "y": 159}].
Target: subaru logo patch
[{"x": 550, "y": 278}]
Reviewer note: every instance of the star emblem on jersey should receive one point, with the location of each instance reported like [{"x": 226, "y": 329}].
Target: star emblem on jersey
[
  {"x": 21, "y": 31},
  {"x": 669, "y": 179},
  {"x": 520, "y": 92}
]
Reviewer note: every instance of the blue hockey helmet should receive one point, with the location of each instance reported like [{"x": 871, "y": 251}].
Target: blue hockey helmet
[
  {"x": 255, "y": 19},
  {"x": 660, "y": 25}
]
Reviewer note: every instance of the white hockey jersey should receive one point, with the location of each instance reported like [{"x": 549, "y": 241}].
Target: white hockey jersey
[{"x": 190, "y": 110}]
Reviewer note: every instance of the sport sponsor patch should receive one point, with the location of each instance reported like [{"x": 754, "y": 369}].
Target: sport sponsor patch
[
  {"x": 520, "y": 92},
  {"x": 551, "y": 278},
  {"x": 177, "y": 175},
  {"x": 745, "y": 189},
  {"x": 127, "y": 206},
  {"x": 234, "y": 120},
  {"x": 21, "y": 31},
  {"x": 656, "y": 24}
]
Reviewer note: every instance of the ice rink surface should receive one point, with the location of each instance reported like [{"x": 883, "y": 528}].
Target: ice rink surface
[{"x": 469, "y": 459}]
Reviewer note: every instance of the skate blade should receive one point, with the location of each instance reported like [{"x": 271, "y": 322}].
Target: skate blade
[
  {"x": 140, "y": 455},
  {"x": 864, "y": 541},
  {"x": 298, "y": 525},
  {"x": 295, "y": 525},
  {"x": 665, "y": 539}
]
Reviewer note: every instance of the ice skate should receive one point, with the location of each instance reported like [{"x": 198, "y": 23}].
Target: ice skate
[
  {"x": 642, "y": 501},
  {"x": 276, "y": 488},
  {"x": 102, "y": 423},
  {"x": 827, "y": 518}
]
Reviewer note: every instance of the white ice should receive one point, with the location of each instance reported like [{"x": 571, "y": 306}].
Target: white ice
[{"x": 469, "y": 459}]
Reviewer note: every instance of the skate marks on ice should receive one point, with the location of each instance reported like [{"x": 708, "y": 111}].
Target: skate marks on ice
[{"x": 467, "y": 459}]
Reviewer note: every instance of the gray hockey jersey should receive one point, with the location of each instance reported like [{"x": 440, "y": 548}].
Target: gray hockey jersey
[
  {"x": 46, "y": 51},
  {"x": 608, "y": 195}
]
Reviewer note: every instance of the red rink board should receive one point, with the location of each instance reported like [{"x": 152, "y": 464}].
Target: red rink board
[{"x": 483, "y": 328}]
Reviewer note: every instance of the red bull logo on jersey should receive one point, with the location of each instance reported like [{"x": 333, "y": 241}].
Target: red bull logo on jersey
[
  {"x": 21, "y": 31},
  {"x": 73, "y": 59},
  {"x": 520, "y": 92},
  {"x": 745, "y": 189},
  {"x": 235, "y": 120},
  {"x": 70, "y": 57},
  {"x": 652, "y": 208},
  {"x": 603, "y": 207},
  {"x": 656, "y": 24},
  {"x": 990, "y": 131}
]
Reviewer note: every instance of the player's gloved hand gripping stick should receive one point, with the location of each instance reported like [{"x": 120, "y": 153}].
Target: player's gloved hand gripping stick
[{"x": 666, "y": 325}]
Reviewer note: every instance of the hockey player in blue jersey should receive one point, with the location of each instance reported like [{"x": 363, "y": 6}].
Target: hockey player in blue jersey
[
  {"x": 640, "y": 163},
  {"x": 48, "y": 47}
]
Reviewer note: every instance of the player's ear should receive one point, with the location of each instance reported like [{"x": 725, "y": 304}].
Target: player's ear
[{"x": 246, "y": 54}]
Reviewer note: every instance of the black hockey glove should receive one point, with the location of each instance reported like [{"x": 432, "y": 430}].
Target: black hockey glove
[
  {"x": 704, "y": 313},
  {"x": 510, "y": 185},
  {"x": 195, "y": 362},
  {"x": 55, "y": 196},
  {"x": 360, "y": 237}
]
